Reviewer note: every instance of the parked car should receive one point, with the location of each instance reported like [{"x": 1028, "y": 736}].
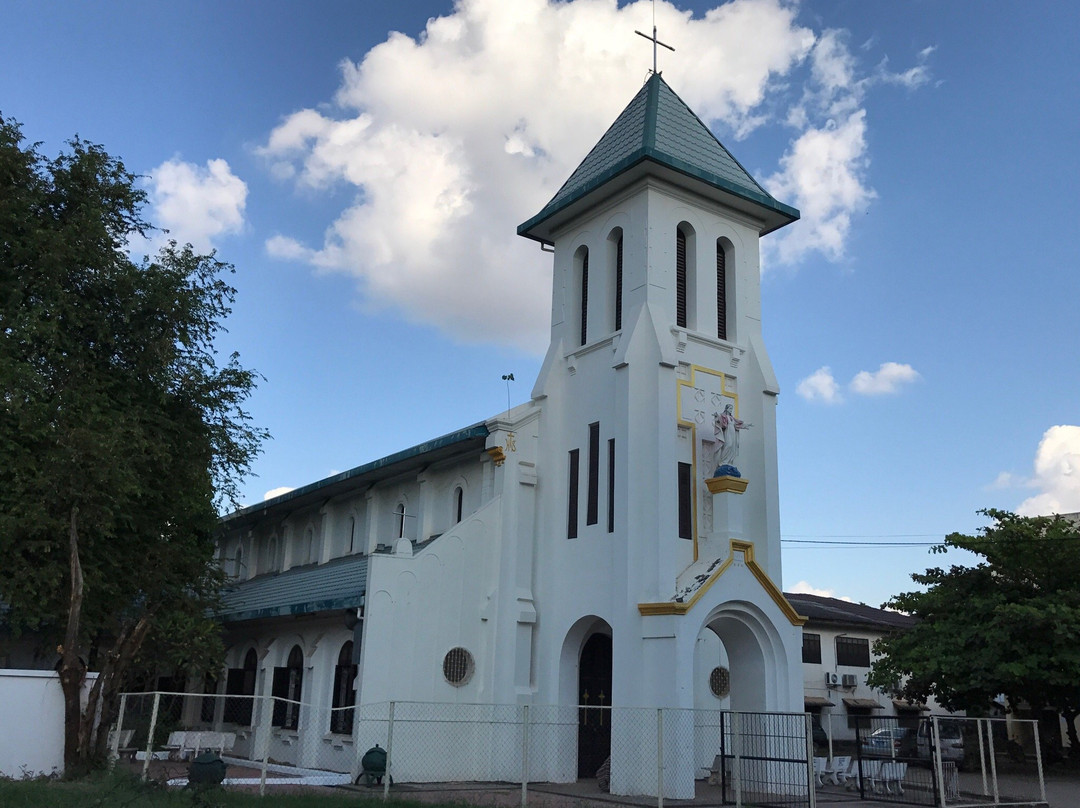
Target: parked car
[
  {"x": 890, "y": 742},
  {"x": 952, "y": 740}
]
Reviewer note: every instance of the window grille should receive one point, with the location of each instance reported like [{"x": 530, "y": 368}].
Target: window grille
[
  {"x": 721, "y": 292},
  {"x": 680, "y": 279},
  {"x": 618, "y": 283},
  {"x": 720, "y": 682},
  {"x": 584, "y": 297},
  {"x": 457, "y": 666}
]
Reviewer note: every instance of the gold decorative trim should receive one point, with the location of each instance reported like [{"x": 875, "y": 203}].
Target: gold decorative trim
[
  {"x": 689, "y": 382},
  {"x": 727, "y": 484},
  {"x": 747, "y": 549},
  {"x": 497, "y": 454}
]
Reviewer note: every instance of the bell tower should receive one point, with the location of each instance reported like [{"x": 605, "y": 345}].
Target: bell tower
[
  {"x": 658, "y": 510},
  {"x": 656, "y": 323}
]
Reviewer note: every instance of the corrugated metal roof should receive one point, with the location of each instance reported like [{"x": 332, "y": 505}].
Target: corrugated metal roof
[
  {"x": 865, "y": 704},
  {"x": 658, "y": 126},
  {"x": 338, "y": 584},
  {"x": 841, "y": 612}
]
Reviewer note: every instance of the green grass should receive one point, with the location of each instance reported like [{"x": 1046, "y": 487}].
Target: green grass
[{"x": 125, "y": 791}]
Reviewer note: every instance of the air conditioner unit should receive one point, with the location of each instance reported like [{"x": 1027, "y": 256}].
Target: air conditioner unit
[
  {"x": 849, "y": 680},
  {"x": 831, "y": 679}
]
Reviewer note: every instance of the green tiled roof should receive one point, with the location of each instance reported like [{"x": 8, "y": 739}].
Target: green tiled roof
[
  {"x": 338, "y": 584},
  {"x": 658, "y": 126},
  {"x": 422, "y": 453}
]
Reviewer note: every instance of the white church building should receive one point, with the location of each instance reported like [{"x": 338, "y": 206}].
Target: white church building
[{"x": 613, "y": 542}]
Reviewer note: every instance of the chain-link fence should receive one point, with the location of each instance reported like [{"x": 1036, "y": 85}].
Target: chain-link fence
[
  {"x": 929, "y": 760},
  {"x": 733, "y": 758},
  {"x": 729, "y": 758}
]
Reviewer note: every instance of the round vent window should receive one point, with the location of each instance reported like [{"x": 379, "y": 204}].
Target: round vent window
[
  {"x": 720, "y": 682},
  {"x": 457, "y": 666}
]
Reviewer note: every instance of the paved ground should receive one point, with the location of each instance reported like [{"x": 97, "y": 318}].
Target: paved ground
[{"x": 1062, "y": 791}]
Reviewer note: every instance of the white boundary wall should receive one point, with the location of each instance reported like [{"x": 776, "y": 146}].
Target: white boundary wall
[{"x": 32, "y": 722}]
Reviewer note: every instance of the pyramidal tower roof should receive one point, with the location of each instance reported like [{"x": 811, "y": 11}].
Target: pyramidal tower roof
[{"x": 658, "y": 133}]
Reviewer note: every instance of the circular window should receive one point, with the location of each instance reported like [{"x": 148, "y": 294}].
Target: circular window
[
  {"x": 720, "y": 682},
  {"x": 457, "y": 666}
]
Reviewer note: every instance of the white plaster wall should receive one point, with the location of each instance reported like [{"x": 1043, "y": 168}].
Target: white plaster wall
[
  {"x": 32, "y": 722},
  {"x": 419, "y": 607}
]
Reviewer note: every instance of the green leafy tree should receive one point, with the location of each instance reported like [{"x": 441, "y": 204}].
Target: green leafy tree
[
  {"x": 1008, "y": 625},
  {"x": 121, "y": 433}
]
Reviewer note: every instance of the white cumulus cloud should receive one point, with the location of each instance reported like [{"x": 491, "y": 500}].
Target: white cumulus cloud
[
  {"x": 277, "y": 492},
  {"x": 450, "y": 139},
  {"x": 197, "y": 204},
  {"x": 1004, "y": 480},
  {"x": 805, "y": 588},
  {"x": 1057, "y": 473},
  {"x": 886, "y": 380},
  {"x": 820, "y": 386}
]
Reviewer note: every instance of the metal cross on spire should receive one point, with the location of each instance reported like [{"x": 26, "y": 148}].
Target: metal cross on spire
[{"x": 653, "y": 38}]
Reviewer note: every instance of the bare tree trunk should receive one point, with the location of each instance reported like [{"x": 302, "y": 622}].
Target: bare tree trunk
[
  {"x": 72, "y": 670},
  {"x": 1070, "y": 716},
  {"x": 107, "y": 687}
]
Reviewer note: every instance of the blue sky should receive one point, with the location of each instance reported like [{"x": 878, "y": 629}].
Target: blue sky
[{"x": 922, "y": 317}]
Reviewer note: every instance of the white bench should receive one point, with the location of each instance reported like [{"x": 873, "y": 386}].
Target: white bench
[
  {"x": 892, "y": 774},
  {"x": 837, "y": 770},
  {"x": 123, "y": 743},
  {"x": 190, "y": 742}
]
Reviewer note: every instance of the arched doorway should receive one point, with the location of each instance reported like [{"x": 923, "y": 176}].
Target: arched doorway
[
  {"x": 594, "y": 702},
  {"x": 748, "y": 674}
]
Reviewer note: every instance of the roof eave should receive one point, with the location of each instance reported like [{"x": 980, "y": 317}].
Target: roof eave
[
  {"x": 306, "y": 608},
  {"x": 329, "y": 485},
  {"x": 542, "y": 226}
]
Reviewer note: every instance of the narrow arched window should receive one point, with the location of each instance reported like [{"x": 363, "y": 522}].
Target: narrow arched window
[
  {"x": 344, "y": 696},
  {"x": 288, "y": 689},
  {"x": 240, "y": 683},
  {"x": 352, "y": 534},
  {"x": 584, "y": 297},
  {"x": 615, "y": 250},
  {"x": 308, "y": 550},
  {"x": 238, "y": 562},
  {"x": 680, "y": 278},
  {"x": 459, "y": 504},
  {"x": 618, "y": 283},
  {"x": 721, "y": 291},
  {"x": 399, "y": 520},
  {"x": 271, "y": 555}
]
